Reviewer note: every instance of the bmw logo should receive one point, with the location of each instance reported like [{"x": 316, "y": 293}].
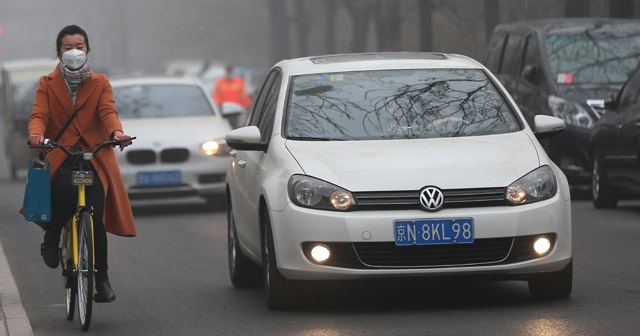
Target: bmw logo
[{"x": 431, "y": 198}]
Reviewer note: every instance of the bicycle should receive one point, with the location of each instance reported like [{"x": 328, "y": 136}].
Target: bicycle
[{"x": 76, "y": 249}]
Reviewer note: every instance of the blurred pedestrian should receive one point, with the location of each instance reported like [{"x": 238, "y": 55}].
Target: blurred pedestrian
[
  {"x": 75, "y": 96},
  {"x": 231, "y": 88}
]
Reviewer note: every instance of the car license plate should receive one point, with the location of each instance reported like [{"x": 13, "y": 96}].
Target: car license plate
[
  {"x": 433, "y": 232},
  {"x": 159, "y": 178},
  {"x": 82, "y": 177}
]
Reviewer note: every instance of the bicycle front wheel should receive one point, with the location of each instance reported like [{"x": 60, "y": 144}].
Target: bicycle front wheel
[
  {"x": 68, "y": 271},
  {"x": 85, "y": 269}
]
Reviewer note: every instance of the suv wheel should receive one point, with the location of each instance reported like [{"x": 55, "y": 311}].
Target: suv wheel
[{"x": 603, "y": 195}]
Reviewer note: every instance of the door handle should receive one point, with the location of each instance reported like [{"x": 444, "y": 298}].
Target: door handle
[{"x": 242, "y": 163}]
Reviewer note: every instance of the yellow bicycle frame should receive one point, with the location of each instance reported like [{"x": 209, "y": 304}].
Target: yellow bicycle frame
[{"x": 74, "y": 229}]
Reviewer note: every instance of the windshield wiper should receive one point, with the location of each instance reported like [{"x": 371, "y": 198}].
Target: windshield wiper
[
  {"x": 301, "y": 138},
  {"x": 312, "y": 91}
]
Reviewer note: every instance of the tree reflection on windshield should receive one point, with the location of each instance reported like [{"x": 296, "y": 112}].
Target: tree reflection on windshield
[{"x": 396, "y": 104}]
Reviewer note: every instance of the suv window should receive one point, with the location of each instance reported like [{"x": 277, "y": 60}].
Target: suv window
[
  {"x": 495, "y": 49},
  {"x": 630, "y": 92},
  {"x": 512, "y": 60},
  {"x": 593, "y": 58},
  {"x": 396, "y": 104}
]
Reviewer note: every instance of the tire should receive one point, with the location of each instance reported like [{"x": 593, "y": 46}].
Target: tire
[
  {"x": 85, "y": 270},
  {"x": 276, "y": 286},
  {"x": 555, "y": 285},
  {"x": 243, "y": 272},
  {"x": 603, "y": 195},
  {"x": 68, "y": 273}
]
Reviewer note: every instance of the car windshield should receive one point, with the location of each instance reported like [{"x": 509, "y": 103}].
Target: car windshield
[
  {"x": 154, "y": 101},
  {"x": 593, "y": 58},
  {"x": 396, "y": 104}
]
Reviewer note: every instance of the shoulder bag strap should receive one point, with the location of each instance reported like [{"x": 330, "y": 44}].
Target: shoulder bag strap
[{"x": 64, "y": 128}]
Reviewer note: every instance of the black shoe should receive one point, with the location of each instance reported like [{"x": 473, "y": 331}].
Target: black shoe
[
  {"x": 104, "y": 293},
  {"x": 50, "y": 254}
]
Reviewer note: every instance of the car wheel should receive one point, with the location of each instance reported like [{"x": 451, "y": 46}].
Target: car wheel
[
  {"x": 275, "y": 284},
  {"x": 243, "y": 272},
  {"x": 553, "y": 285},
  {"x": 603, "y": 195}
]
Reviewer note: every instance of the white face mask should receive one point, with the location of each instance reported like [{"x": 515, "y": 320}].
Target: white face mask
[{"x": 74, "y": 59}]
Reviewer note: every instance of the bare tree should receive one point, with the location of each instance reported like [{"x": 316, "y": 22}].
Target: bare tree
[
  {"x": 303, "y": 26},
  {"x": 360, "y": 12},
  {"x": 621, "y": 8},
  {"x": 491, "y": 16},
  {"x": 280, "y": 46},
  {"x": 577, "y": 8},
  {"x": 330, "y": 29},
  {"x": 425, "y": 7},
  {"x": 387, "y": 18}
]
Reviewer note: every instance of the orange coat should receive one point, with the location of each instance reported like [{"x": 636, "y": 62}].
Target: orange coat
[{"x": 94, "y": 123}]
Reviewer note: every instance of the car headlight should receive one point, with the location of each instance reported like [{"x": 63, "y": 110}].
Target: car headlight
[
  {"x": 313, "y": 193},
  {"x": 571, "y": 113},
  {"x": 215, "y": 147},
  {"x": 540, "y": 184}
]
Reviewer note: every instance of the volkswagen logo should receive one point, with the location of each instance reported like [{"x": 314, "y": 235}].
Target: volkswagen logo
[{"x": 431, "y": 198}]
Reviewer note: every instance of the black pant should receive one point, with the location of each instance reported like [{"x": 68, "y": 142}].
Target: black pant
[{"x": 65, "y": 202}]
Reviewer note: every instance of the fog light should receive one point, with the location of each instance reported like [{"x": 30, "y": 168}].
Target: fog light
[
  {"x": 542, "y": 245},
  {"x": 320, "y": 253}
]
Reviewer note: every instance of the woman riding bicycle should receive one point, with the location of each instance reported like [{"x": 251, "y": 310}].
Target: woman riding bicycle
[{"x": 74, "y": 92}]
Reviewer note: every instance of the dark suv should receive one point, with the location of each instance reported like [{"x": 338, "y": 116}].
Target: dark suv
[{"x": 565, "y": 68}]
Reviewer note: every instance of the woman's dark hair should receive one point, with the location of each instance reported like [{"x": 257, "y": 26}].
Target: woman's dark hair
[{"x": 71, "y": 30}]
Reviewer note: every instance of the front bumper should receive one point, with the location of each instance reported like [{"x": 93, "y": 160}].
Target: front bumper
[{"x": 295, "y": 227}]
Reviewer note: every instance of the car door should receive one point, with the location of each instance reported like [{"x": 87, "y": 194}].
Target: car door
[
  {"x": 251, "y": 166},
  {"x": 628, "y": 129},
  {"x": 616, "y": 133}
]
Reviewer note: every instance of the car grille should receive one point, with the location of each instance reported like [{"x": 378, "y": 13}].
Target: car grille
[
  {"x": 147, "y": 156},
  {"x": 406, "y": 200},
  {"x": 387, "y": 255}
]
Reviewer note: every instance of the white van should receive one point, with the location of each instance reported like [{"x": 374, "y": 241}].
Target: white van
[{"x": 18, "y": 82}]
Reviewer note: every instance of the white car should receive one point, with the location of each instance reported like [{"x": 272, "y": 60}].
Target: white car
[
  {"x": 180, "y": 150},
  {"x": 393, "y": 165}
]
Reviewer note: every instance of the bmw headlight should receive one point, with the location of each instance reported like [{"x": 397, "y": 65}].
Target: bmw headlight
[
  {"x": 313, "y": 193},
  {"x": 540, "y": 184},
  {"x": 215, "y": 147},
  {"x": 571, "y": 113}
]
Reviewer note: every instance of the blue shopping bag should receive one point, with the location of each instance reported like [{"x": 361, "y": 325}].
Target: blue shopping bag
[{"x": 36, "y": 206}]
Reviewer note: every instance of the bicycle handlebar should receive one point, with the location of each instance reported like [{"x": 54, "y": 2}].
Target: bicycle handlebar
[{"x": 52, "y": 144}]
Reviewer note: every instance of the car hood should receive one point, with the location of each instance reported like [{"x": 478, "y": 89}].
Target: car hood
[
  {"x": 583, "y": 92},
  {"x": 449, "y": 163},
  {"x": 175, "y": 131}
]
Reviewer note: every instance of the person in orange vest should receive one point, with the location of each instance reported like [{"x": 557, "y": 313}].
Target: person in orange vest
[{"x": 231, "y": 88}]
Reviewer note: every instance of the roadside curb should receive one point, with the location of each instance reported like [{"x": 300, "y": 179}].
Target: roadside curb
[{"x": 15, "y": 321}]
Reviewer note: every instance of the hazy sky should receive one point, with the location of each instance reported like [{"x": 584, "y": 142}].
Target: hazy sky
[{"x": 141, "y": 35}]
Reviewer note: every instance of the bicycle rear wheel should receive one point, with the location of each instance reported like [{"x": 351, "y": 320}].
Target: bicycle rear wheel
[
  {"x": 85, "y": 270},
  {"x": 68, "y": 272}
]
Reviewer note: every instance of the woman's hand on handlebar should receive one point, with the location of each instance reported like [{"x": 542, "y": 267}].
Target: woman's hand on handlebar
[
  {"x": 36, "y": 139},
  {"x": 119, "y": 136}
]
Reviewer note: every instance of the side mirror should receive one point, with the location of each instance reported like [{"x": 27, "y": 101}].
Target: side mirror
[
  {"x": 246, "y": 138},
  {"x": 531, "y": 73},
  {"x": 547, "y": 126}
]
